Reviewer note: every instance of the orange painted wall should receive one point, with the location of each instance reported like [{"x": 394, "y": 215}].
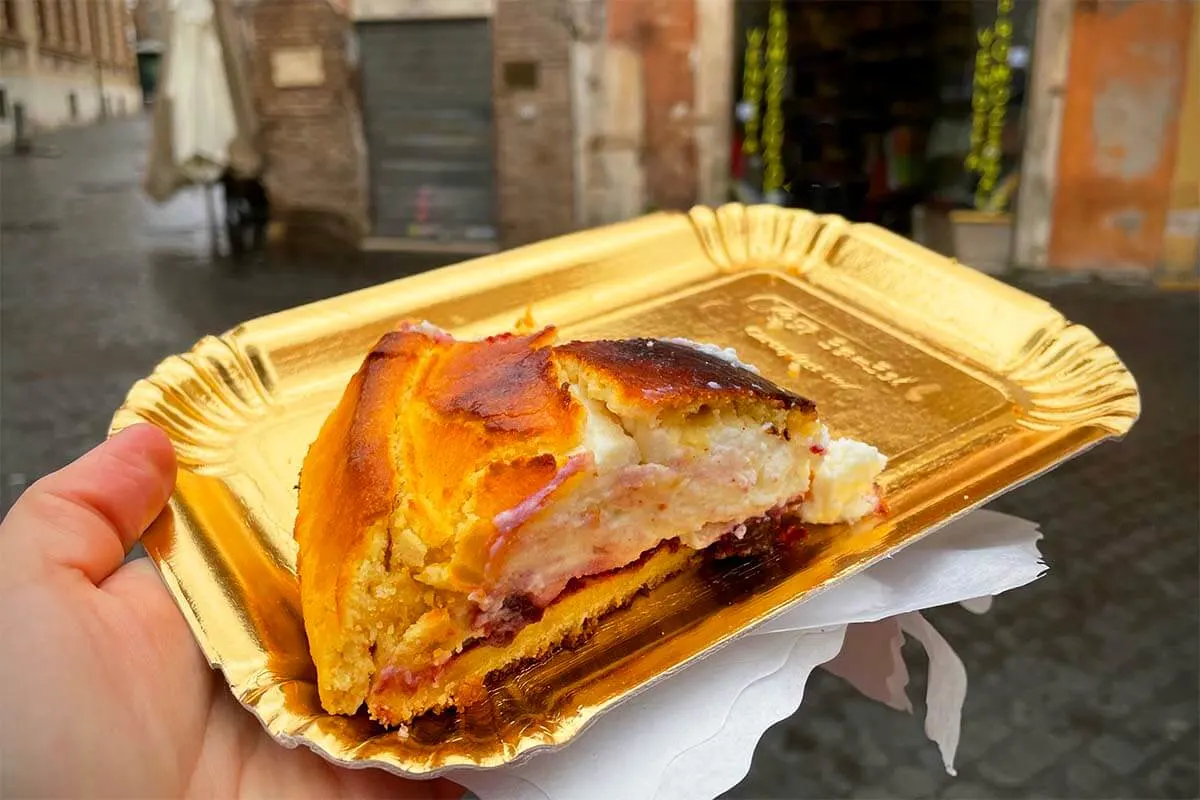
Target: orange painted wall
[
  {"x": 1120, "y": 130},
  {"x": 1181, "y": 248}
]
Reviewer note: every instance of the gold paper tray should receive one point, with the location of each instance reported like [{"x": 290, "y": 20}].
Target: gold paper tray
[{"x": 970, "y": 386}]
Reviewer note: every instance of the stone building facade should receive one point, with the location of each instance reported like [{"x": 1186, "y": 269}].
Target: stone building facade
[
  {"x": 602, "y": 110},
  {"x": 65, "y": 62},
  {"x": 597, "y": 111},
  {"x": 346, "y": 150}
]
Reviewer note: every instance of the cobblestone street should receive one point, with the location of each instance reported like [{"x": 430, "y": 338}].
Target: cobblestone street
[{"x": 1083, "y": 685}]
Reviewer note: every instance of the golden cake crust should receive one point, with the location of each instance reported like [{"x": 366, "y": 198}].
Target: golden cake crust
[
  {"x": 347, "y": 487},
  {"x": 431, "y": 440}
]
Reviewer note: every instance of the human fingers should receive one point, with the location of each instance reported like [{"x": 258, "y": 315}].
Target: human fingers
[{"x": 88, "y": 514}]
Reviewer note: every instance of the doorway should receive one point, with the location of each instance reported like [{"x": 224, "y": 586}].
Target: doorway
[{"x": 427, "y": 108}]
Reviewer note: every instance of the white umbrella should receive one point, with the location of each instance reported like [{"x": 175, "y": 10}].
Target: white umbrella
[
  {"x": 197, "y": 85},
  {"x": 204, "y": 120}
]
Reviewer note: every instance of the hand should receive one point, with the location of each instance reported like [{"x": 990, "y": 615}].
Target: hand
[{"x": 103, "y": 691}]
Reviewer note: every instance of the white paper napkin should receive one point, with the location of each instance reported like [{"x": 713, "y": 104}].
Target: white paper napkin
[
  {"x": 980, "y": 555},
  {"x": 693, "y": 735}
]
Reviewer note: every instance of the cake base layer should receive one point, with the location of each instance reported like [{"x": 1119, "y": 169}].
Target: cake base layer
[{"x": 397, "y": 698}]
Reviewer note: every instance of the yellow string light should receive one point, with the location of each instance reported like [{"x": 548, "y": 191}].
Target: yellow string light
[
  {"x": 773, "y": 121},
  {"x": 752, "y": 88},
  {"x": 991, "y": 90}
]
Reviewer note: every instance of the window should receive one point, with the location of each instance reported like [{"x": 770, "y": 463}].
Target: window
[
  {"x": 118, "y": 28},
  {"x": 67, "y": 29},
  {"x": 8, "y": 17},
  {"x": 83, "y": 32},
  {"x": 39, "y": 11},
  {"x": 48, "y": 27},
  {"x": 103, "y": 31}
]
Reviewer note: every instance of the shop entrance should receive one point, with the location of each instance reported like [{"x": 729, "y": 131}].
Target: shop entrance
[{"x": 863, "y": 108}]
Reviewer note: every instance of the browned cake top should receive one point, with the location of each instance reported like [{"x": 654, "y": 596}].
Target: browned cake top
[
  {"x": 654, "y": 372},
  {"x": 506, "y": 382}
]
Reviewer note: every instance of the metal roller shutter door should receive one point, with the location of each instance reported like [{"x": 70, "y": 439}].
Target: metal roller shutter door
[{"x": 427, "y": 106}]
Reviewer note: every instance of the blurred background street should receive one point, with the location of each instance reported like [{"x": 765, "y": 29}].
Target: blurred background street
[
  {"x": 1054, "y": 144},
  {"x": 1083, "y": 685}
]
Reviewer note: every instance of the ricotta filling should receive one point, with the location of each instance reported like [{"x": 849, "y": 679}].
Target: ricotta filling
[{"x": 694, "y": 482}]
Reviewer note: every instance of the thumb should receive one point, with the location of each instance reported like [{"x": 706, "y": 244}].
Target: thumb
[{"x": 87, "y": 515}]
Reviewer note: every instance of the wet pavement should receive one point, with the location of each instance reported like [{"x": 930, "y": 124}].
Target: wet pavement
[
  {"x": 99, "y": 283},
  {"x": 1083, "y": 685}
]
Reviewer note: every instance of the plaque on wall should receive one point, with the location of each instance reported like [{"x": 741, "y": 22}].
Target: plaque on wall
[{"x": 295, "y": 67}]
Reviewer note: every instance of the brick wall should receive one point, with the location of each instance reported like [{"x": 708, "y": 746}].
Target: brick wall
[
  {"x": 311, "y": 134},
  {"x": 534, "y": 155}
]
